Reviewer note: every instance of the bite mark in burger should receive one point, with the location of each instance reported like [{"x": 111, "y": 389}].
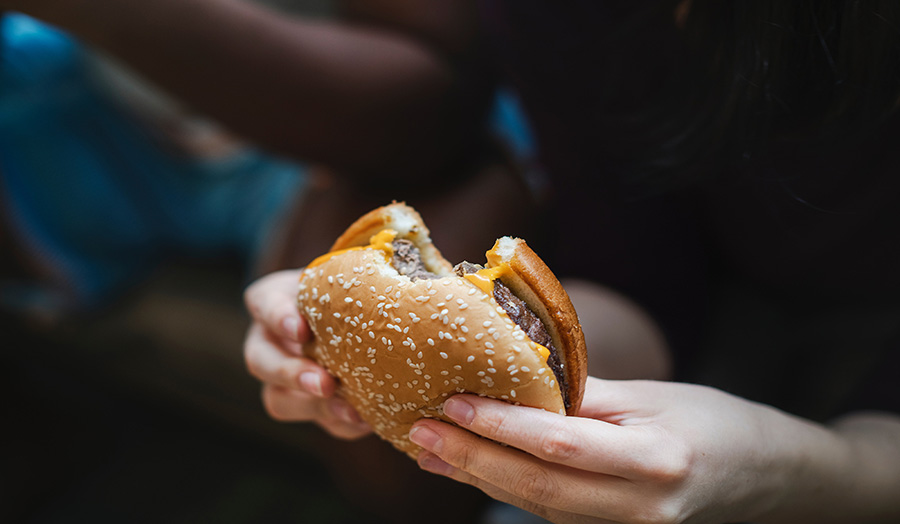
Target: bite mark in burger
[{"x": 402, "y": 329}]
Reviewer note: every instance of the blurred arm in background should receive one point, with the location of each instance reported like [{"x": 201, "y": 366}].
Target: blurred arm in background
[{"x": 388, "y": 92}]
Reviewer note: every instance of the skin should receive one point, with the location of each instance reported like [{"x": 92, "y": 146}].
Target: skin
[
  {"x": 370, "y": 99},
  {"x": 638, "y": 451},
  {"x": 294, "y": 388},
  {"x": 384, "y": 94}
]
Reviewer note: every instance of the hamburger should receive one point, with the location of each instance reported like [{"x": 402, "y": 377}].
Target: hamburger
[{"x": 402, "y": 329}]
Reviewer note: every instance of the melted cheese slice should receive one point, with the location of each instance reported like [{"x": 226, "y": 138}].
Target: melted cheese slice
[{"x": 380, "y": 241}]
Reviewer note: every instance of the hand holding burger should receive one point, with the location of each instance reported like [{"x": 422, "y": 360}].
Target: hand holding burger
[
  {"x": 402, "y": 329},
  {"x": 294, "y": 387}
]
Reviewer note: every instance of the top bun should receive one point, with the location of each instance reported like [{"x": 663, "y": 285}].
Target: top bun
[{"x": 400, "y": 346}]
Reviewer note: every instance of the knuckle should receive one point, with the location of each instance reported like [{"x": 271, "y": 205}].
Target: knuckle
[
  {"x": 287, "y": 374},
  {"x": 535, "y": 484},
  {"x": 465, "y": 455},
  {"x": 661, "y": 512},
  {"x": 251, "y": 361},
  {"x": 491, "y": 423},
  {"x": 251, "y": 298},
  {"x": 673, "y": 465},
  {"x": 270, "y": 399},
  {"x": 558, "y": 445}
]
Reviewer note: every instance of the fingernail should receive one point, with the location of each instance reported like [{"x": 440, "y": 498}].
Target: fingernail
[
  {"x": 291, "y": 325},
  {"x": 311, "y": 382},
  {"x": 433, "y": 463},
  {"x": 459, "y": 410},
  {"x": 426, "y": 438}
]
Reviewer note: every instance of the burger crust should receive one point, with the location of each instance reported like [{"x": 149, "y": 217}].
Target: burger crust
[
  {"x": 408, "y": 224},
  {"x": 400, "y": 347},
  {"x": 534, "y": 282}
]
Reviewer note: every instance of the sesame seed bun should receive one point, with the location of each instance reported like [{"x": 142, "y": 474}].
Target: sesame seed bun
[{"x": 400, "y": 347}]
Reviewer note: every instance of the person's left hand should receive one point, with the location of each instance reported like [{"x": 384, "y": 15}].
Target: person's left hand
[{"x": 639, "y": 451}]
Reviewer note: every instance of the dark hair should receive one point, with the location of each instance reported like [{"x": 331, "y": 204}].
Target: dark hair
[{"x": 750, "y": 77}]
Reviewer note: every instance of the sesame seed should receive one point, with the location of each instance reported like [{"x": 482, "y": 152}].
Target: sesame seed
[
  {"x": 444, "y": 355},
  {"x": 491, "y": 370},
  {"x": 479, "y": 336},
  {"x": 489, "y": 345},
  {"x": 525, "y": 369},
  {"x": 430, "y": 341},
  {"x": 486, "y": 323},
  {"x": 489, "y": 352},
  {"x": 470, "y": 359},
  {"x": 512, "y": 393}
]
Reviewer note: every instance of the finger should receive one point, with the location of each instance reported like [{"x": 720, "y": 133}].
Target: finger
[
  {"x": 431, "y": 462},
  {"x": 522, "y": 476},
  {"x": 271, "y": 300},
  {"x": 623, "y": 402},
  {"x": 334, "y": 414},
  {"x": 339, "y": 427},
  {"x": 269, "y": 364},
  {"x": 290, "y": 405},
  {"x": 585, "y": 444}
]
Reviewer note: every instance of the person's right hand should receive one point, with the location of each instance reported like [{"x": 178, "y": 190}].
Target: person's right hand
[{"x": 295, "y": 388}]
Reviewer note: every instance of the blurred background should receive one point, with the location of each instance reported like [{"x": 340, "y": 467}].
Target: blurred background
[{"x": 122, "y": 317}]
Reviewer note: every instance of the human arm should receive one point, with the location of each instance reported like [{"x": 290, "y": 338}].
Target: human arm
[
  {"x": 378, "y": 98},
  {"x": 294, "y": 387},
  {"x": 643, "y": 451}
]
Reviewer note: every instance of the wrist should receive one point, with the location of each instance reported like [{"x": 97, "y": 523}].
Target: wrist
[{"x": 841, "y": 473}]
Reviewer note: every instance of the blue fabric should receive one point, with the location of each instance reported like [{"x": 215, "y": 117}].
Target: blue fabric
[{"x": 93, "y": 195}]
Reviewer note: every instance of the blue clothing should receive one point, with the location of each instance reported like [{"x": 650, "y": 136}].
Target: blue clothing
[{"x": 95, "y": 196}]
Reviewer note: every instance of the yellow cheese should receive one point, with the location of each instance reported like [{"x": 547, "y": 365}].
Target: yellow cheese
[{"x": 380, "y": 241}]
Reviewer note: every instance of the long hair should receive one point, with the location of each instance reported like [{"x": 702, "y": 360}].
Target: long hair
[{"x": 753, "y": 77}]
